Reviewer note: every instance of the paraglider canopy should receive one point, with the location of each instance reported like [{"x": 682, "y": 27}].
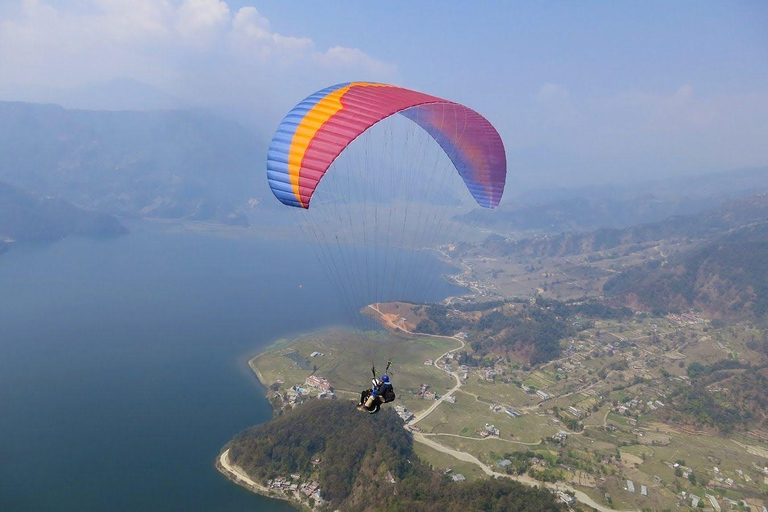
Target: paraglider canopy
[
  {"x": 393, "y": 189},
  {"x": 318, "y": 129}
]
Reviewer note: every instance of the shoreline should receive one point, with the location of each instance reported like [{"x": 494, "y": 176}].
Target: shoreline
[{"x": 236, "y": 475}]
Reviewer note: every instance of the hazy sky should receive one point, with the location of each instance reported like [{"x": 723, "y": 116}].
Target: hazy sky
[{"x": 580, "y": 91}]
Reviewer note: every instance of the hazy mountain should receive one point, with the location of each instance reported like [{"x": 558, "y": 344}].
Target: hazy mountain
[
  {"x": 24, "y": 216},
  {"x": 717, "y": 220},
  {"x": 118, "y": 94},
  {"x": 166, "y": 164},
  {"x": 618, "y": 206}
]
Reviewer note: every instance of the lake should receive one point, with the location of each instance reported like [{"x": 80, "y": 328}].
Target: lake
[{"x": 123, "y": 363}]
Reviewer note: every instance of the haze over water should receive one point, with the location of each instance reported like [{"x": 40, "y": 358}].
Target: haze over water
[{"x": 123, "y": 364}]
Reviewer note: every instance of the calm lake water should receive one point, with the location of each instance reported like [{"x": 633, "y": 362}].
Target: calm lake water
[{"x": 123, "y": 364}]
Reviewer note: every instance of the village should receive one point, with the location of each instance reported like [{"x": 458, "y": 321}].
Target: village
[
  {"x": 302, "y": 490},
  {"x": 591, "y": 419}
]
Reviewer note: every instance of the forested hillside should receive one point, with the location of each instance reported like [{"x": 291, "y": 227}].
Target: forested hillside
[
  {"x": 530, "y": 330},
  {"x": 355, "y": 453},
  {"x": 727, "y": 277}
]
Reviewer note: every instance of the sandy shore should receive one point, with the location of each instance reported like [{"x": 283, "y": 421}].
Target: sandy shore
[
  {"x": 252, "y": 365},
  {"x": 236, "y": 475}
]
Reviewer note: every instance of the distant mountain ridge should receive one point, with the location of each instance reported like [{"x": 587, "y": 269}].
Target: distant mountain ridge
[
  {"x": 616, "y": 207},
  {"x": 161, "y": 164},
  {"x": 24, "y": 216},
  {"x": 716, "y": 221}
]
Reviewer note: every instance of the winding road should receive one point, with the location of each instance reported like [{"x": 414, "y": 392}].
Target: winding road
[
  {"x": 523, "y": 479},
  {"x": 467, "y": 457}
]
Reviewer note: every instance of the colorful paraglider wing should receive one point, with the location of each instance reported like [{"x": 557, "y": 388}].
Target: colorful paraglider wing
[{"x": 313, "y": 134}]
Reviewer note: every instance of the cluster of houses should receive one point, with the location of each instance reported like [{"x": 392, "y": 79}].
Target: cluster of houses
[
  {"x": 715, "y": 504},
  {"x": 426, "y": 394},
  {"x": 295, "y": 393},
  {"x": 686, "y": 319},
  {"x": 311, "y": 489},
  {"x": 308, "y": 489},
  {"x": 636, "y": 402},
  {"x": 319, "y": 384},
  {"x": 722, "y": 480},
  {"x": 488, "y": 431},
  {"x": 324, "y": 388}
]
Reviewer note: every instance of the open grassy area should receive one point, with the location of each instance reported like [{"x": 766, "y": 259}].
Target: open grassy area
[
  {"x": 345, "y": 359},
  {"x": 487, "y": 450},
  {"x": 441, "y": 461},
  {"x": 499, "y": 393}
]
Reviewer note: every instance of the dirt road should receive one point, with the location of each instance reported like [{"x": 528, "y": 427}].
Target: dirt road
[{"x": 523, "y": 479}]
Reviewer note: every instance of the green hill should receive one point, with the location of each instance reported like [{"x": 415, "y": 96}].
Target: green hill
[{"x": 356, "y": 452}]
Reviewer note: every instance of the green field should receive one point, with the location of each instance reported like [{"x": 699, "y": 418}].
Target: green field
[{"x": 346, "y": 360}]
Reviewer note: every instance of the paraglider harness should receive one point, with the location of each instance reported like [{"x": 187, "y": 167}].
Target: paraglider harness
[{"x": 380, "y": 392}]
